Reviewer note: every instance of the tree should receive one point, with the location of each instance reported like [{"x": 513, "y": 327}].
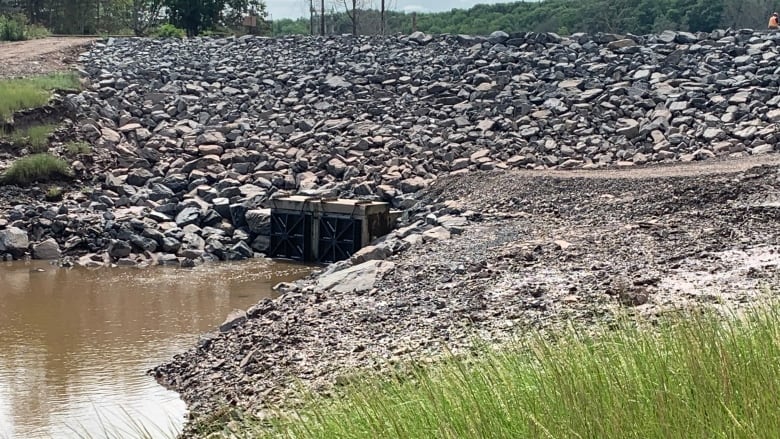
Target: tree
[
  {"x": 195, "y": 16},
  {"x": 145, "y": 13},
  {"x": 352, "y": 15},
  {"x": 747, "y": 13}
]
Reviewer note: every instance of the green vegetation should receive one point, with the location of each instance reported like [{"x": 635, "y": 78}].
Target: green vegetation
[
  {"x": 19, "y": 94},
  {"x": 195, "y": 17},
  {"x": 35, "y": 168},
  {"x": 14, "y": 27},
  {"x": 169, "y": 31},
  {"x": 103, "y": 17},
  {"x": 36, "y": 137},
  {"x": 11, "y": 28},
  {"x": 562, "y": 16},
  {"x": 78, "y": 148},
  {"x": 692, "y": 376}
]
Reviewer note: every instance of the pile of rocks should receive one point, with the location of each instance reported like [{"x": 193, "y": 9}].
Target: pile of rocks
[{"x": 196, "y": 135}]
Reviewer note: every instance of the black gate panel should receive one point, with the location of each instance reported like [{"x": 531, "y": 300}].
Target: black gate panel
[
  {"x": 339, "y": 238},
  {"x": 290, "y": 236}
]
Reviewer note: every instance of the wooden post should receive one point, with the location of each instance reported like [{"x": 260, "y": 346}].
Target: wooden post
[{"x": 414, "y": 21}]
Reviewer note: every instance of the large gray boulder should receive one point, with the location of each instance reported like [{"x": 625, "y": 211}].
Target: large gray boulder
[
  {"x": 47, "y": 250},
  {"x": 14, "y": 241},
  {"x": 357, "y": 278}
]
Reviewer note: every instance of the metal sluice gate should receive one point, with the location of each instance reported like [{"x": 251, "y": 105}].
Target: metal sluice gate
[{"x": 325, "y": 230}]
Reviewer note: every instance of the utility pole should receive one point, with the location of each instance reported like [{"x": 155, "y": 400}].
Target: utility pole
[
  {"x": 382, "y": 19},
  {"x": 322, "y": 17}
]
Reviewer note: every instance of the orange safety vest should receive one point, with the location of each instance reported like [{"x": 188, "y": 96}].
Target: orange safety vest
[{"x": 773, "y": 22}]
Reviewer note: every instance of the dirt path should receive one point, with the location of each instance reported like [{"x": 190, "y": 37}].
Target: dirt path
[
  {"x": 723, "y": 165},
  {"x": 42, "y": 56}
]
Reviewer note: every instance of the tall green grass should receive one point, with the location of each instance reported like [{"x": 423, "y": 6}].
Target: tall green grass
[
  {"x": 35, "y": 137},
  {"x": 694, "y": 377},
  {"x": 19, "y": 94},
  {"x": 35, "y": 168}
]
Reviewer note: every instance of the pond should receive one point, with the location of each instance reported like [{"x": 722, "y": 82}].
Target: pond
[{"x": 75, "y": 344}]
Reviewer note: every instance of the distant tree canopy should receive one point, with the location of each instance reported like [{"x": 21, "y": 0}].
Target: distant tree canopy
[
  {"x": 561, "y": 16},
  {"x": 137, "y": 16}
]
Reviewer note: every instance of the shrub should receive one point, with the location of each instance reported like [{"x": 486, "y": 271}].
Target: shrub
[
  {"x": 34, "y": 31},
  {"x": 169, "y": 31},
  {"x": 12, "y": 27},
  {"x": 15, "y": 28},
  {"x": 37, "y": 167}
]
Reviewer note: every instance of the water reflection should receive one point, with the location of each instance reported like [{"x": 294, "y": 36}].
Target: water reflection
[{"x": 75, "y": 344}]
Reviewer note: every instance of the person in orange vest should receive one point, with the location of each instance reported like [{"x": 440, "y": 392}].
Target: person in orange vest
[{"x": 774, "y": 21}]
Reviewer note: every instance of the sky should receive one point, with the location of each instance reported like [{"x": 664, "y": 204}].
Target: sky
[{"x": 298, "y": 8}]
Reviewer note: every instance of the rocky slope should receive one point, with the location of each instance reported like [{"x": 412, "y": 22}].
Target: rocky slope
[{"x": 192, "y": 137}]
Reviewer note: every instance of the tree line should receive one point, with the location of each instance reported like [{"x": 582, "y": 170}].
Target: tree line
[
  {"x": 560, "y": 16},
  {"x": 376, "y": 17}
]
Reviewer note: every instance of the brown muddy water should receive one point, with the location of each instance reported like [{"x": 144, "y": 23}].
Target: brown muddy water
[{"x": 75, "y": 344}]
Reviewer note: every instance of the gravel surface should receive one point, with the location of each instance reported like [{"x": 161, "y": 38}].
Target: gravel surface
[{"x": 36, "y": 57}]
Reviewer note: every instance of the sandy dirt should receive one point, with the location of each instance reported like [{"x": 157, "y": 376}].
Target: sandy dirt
[
  {"x": 722, "y": 165},
  {"x": 42, "y": 56}
]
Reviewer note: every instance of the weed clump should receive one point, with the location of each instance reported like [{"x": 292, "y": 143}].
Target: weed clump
[{"x": 35, "y": 168}]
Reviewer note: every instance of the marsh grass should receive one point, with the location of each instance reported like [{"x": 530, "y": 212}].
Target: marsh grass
[
  {"x": 19, "y": 94},
  {"x": 125, "y": 424},
  {"x": 35, "y": 168},
  {"x": 693, "y": 376},
  {"x": 35, "y": 137}
]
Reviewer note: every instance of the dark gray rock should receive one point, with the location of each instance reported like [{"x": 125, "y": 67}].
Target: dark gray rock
[
  {"x": 259, "y": 221},
  {"x": 119, "y": 249},
  {"x": 47, "y": 250},
  {"x": 187, "y": 216}
]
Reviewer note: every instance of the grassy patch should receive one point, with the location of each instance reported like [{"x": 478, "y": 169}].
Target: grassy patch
[
  {"x": 19, "y": 94},
  {"x": 78, "y": 148},
  {"x": 700, "y": 376},
  {"x": 33, "y": 168},
  {"x": 36, "y": 137}
]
